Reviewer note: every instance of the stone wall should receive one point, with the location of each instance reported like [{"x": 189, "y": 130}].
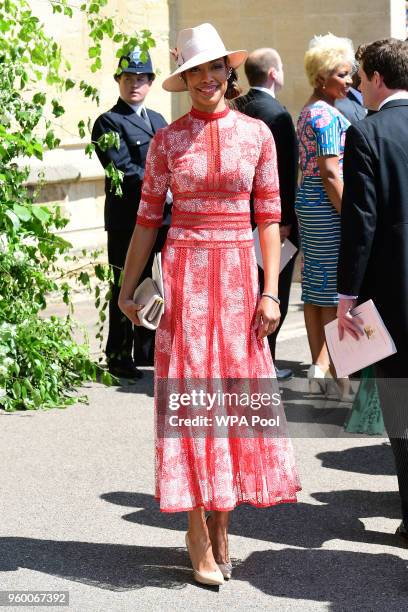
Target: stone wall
[
  {"x": 288, "y": 25},
  {"x": 73, "y": 180},
  {"x": 77, "y": 182}
]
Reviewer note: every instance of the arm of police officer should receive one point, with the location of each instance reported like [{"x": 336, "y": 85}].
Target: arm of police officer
[
  {"x": 149, "y": 219},
  {"x": 121, "y": 157}
]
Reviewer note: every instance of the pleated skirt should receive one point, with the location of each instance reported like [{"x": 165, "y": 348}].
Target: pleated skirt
[{"x": 208, "y": 333}]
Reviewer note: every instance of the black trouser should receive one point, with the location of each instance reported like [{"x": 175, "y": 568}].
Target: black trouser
[
  {"x": 125, "y": 344},
  {"x": 285, "y": 281},
  {"x": 392, "y": 386}
]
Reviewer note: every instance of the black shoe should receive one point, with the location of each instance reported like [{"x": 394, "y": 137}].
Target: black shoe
[
  {"x": 144, "y": 362},
  {"x": 402, "y": 531},
  {"x": 284, "y": 373},
  {"x": 124, "y": 370}
]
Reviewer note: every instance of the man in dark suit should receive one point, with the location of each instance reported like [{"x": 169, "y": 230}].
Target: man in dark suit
[
  {"x": 136, "y": 126},
  {"x": 373, "y": 260},
  {"x": 350, "y": 107},
  {"x": 264, "y": 71}
]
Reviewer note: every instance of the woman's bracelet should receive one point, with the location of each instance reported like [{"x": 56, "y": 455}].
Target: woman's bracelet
[{"x": 272, "y": 297}]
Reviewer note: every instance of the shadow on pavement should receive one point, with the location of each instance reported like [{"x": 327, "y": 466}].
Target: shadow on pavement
[
  {"x": 336, "y": 517},
  {"x": 142, "y": 386},
  {"x": 106, "y": 566},
  {"x": 373, "y": 459},
  {"x": 347, "y": 580}
]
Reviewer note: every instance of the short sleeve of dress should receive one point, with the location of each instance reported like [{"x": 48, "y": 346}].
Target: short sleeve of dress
[
  {"x": 267, "y": 206},
  {"x": 327, "y": 131},
  {"x": 155, "y": 184}
]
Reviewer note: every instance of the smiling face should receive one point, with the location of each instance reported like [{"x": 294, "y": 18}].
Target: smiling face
[
  {"x": 207, "y": 84},
  {"x": 337, "y": 84},
  {"x": 133, "y": 88}
]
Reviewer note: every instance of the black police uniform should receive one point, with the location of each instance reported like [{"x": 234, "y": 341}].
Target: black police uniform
[{"x": 126, "y": 348}]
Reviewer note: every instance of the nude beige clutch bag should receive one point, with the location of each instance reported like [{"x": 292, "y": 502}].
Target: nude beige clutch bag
[{"x": 150, "y": 293}]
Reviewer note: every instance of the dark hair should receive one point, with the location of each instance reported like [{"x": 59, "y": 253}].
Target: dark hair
[
  {"x": 388, "y": 57},
  {"x": 355, "y": 76},
  {"x": 233, "y": 88},
  {"x": 359, "y": 52}
]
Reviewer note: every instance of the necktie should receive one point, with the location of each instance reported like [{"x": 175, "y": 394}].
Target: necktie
[{"x": 145, "y": 118}]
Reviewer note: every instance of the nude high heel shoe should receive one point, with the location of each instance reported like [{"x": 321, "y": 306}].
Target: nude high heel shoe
[
  {"x": 225, "y": 568},
  {"x": 338, "y": 388},
  {"x": 332, "y": 388},
  {"x": 210, "y": 578},
  {"x": 316, "y": 379}
]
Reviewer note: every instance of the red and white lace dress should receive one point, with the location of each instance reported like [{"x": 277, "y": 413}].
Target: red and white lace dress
[{"x": 212, "y": 162}]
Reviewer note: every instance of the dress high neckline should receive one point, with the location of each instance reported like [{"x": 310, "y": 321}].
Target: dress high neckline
[{"x": 209, "y": 116}]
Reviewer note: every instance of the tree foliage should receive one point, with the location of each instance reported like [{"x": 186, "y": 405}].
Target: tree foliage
[{"x": 40, "y": 363}]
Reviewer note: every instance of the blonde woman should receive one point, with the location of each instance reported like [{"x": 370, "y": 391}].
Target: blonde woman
[
  {"x": 321, "y": 128},
  {"x": 215, "y": 324}
]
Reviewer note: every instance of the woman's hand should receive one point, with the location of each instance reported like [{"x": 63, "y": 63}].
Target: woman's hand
[
  {"x": 267, "y": 317},
  {"x": 268, "y": 314},
  {"x": 140, "y": 247},
  {"x": 130, "y": 309}
]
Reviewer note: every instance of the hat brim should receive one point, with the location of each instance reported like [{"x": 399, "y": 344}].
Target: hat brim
[
  {"x": 175, "y": 82},
  {"x": 133, "y": 71}
]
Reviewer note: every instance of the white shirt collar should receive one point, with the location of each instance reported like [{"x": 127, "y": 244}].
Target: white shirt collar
[
  {"x": 265, "y": 90},
  {"x": 137, "y": 108},
  {"x": 399, "y": 95}
]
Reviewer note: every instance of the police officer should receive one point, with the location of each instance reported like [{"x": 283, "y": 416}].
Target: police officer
[{"x": 136, "y": 126}]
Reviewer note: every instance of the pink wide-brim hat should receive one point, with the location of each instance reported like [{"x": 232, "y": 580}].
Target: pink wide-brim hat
[{"x": 196, "y": 46}]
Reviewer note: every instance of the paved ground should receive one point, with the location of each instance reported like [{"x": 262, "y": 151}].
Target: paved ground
[{"x": 77, "y": 512}]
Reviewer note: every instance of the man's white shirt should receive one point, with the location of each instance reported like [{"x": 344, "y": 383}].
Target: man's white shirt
[
  {"x": 137, "y": 108},
  {"x": 265, "y": 90},
  {"x": 399, "y": 95}
]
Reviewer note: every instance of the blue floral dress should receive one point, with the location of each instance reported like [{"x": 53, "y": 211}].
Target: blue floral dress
[{"x": 321, "y": 130}]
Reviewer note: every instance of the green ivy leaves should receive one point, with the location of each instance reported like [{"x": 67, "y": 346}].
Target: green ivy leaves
[
  {"x": 116, "y": 178},
  {"x": 41, "y": 364},
  {"x": 22, "y": 212}
]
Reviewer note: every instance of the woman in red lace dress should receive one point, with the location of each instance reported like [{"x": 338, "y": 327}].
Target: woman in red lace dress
[{"x": 214, "y": 325}]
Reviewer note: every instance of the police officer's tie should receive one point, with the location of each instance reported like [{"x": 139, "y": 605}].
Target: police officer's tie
[{"x": 145, "y": 117}]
